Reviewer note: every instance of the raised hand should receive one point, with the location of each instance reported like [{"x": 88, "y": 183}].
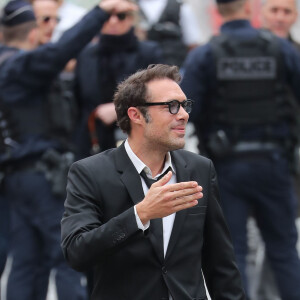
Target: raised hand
[
  {"x": 163, "y": 200},
  {"x": 115, "y": 6}
]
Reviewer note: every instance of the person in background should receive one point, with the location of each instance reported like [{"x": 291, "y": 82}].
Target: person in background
[
  {"x": 62, "y": 88},
  {"x": 242, "y": 83},
  {"x": 172, "y": 24},
  {"x": 279, "y": 16},
  {"x": 34, "y": 157},
  {"x": 150, "y": 241},
  {"x": 69, "y": 14},
  {"x": 100, "y": 67},
  {"x": 46, "y": 12}
]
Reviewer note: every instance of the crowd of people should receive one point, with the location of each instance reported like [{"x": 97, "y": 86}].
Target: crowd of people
[{"x": 93, "y": 182}]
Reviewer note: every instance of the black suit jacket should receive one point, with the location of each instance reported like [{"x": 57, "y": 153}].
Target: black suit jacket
[{"x": 99, "y": 230}]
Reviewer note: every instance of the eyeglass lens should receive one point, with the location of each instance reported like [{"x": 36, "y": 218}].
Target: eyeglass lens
[
  {"x": 47, "y": 19},
  {"x": 121, "y": 16},
  {"x": 174, "y": 106}
]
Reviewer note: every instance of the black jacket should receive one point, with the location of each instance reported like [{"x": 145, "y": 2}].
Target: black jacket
[
  {"x": 25, "y": 79},
  {"x": 100, "y": 68},
  {"x": 99, "y": 230}
]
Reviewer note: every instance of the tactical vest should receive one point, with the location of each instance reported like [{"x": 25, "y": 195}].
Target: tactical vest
[
  {"x": 167, "y": 32},
  {"x": 8, "y": 133},
  {"x": 251, "y": 89},
  {"x": 53, "y": 118}
]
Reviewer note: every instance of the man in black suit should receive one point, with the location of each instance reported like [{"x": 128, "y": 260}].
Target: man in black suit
[{"x": 150, "y": 242}]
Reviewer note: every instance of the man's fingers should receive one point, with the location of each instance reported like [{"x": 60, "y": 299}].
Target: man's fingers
[
  {"x": 126, "y": 6},
  {"x": 182, "y": 186},
  {"x": 111, "y": 6},
  {"x": 187, "y": 199},
  {"x": 185, "y": 192},
  {"x": 163, "y": 180}
]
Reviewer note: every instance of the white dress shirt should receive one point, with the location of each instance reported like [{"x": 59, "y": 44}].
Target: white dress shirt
[
  {"x": 167, "y": 221},
  {"x": 140, "y": 166}
]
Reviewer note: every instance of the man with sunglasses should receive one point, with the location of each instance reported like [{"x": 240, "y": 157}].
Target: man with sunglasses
[
  {"x": 30, "y": 141},
  {"x": 46, "y": 12},
  {"x": 150, "y": 241},
  {"x": 100, "y": 67}
]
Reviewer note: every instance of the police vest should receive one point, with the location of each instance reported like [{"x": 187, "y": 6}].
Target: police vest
[
  {"x": 167, "y": 32},
  {"x": 52, "y": 118},
  {"x": 8, "y": 133},
  {"x": 251, "y": 89}
]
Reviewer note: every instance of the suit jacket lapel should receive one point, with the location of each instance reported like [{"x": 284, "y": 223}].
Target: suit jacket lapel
[
  {"x": 182, "y": 174},
  {"x": 132, "y": 181},
  {"x": 129, "y": 176}
]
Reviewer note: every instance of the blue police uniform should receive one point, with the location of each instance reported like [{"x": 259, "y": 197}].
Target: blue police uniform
[
  {"x": 25, "y": 79},
  {"x": 4, "y": 204},
  {"x": 259, "y": 182}
]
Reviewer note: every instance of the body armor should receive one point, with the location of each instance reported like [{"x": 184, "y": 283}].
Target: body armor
[
  {"x": 167, "y": 32},
  {"x": 251, "y": 95}
]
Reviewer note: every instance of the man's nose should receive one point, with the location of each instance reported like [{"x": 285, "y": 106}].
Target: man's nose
[
  {"x": 280, "y": 16},
  {"x": 182, "y": 114},
  {"x": 113, "y": 19}
]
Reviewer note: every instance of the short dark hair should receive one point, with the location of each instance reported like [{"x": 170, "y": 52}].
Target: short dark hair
[
  {"x": 18, "y": 32},
  {"x": 132, "y": 92},
  {"x": 227, "y": 9}
]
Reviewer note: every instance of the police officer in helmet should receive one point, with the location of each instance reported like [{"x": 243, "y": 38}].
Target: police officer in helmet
[{"x": 245, "y": 83}]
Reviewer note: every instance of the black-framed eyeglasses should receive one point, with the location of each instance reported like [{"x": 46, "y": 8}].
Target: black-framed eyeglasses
[
  {"x": 121, "y": 16},
  {"x": 47, "y": 19},
  {"x": 174, "y": 105}
]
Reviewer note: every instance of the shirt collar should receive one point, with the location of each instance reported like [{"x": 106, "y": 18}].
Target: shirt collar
[
  {"x": 236, "y": 24},
  {"x": 140, "y": 166}
]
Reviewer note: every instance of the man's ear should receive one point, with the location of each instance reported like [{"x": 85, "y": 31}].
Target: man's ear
[
  {"x": 135, "y": 115},
  {"x": 248, "y": 8},
  {"x": 33, "y": 37},
  {"x": 295, "y": 17}
]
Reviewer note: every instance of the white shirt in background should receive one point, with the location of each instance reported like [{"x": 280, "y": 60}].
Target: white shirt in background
[{"x": 189, "y": 24}]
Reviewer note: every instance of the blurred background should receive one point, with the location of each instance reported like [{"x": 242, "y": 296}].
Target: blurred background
[{"x": 208, "y": 18}]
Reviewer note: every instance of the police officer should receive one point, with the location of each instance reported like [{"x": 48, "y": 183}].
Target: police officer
[
  {"x": 33, "y": 156},
  {"x": 172, "y": 24},
  {"x": 244, "y": 113},
  {"x": 279, "y": 16}
]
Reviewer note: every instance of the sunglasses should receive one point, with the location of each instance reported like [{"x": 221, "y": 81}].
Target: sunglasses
[
  {"x": 121, "y": 16},
  {"x": 174, "y": 105},
  {"x": 47, "y": 19}
]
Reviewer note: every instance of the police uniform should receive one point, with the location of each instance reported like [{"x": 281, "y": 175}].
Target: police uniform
[
  {"x": 297, "y": 178},
  {"x": 172, "y": 24},
  {"x": 29, "y": 156},
  {"x": 243, "y": 112},
  {"x": 5, "y": 52}
]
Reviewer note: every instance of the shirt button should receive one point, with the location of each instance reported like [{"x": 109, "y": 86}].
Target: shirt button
[{"x": 164, "y": 270}]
